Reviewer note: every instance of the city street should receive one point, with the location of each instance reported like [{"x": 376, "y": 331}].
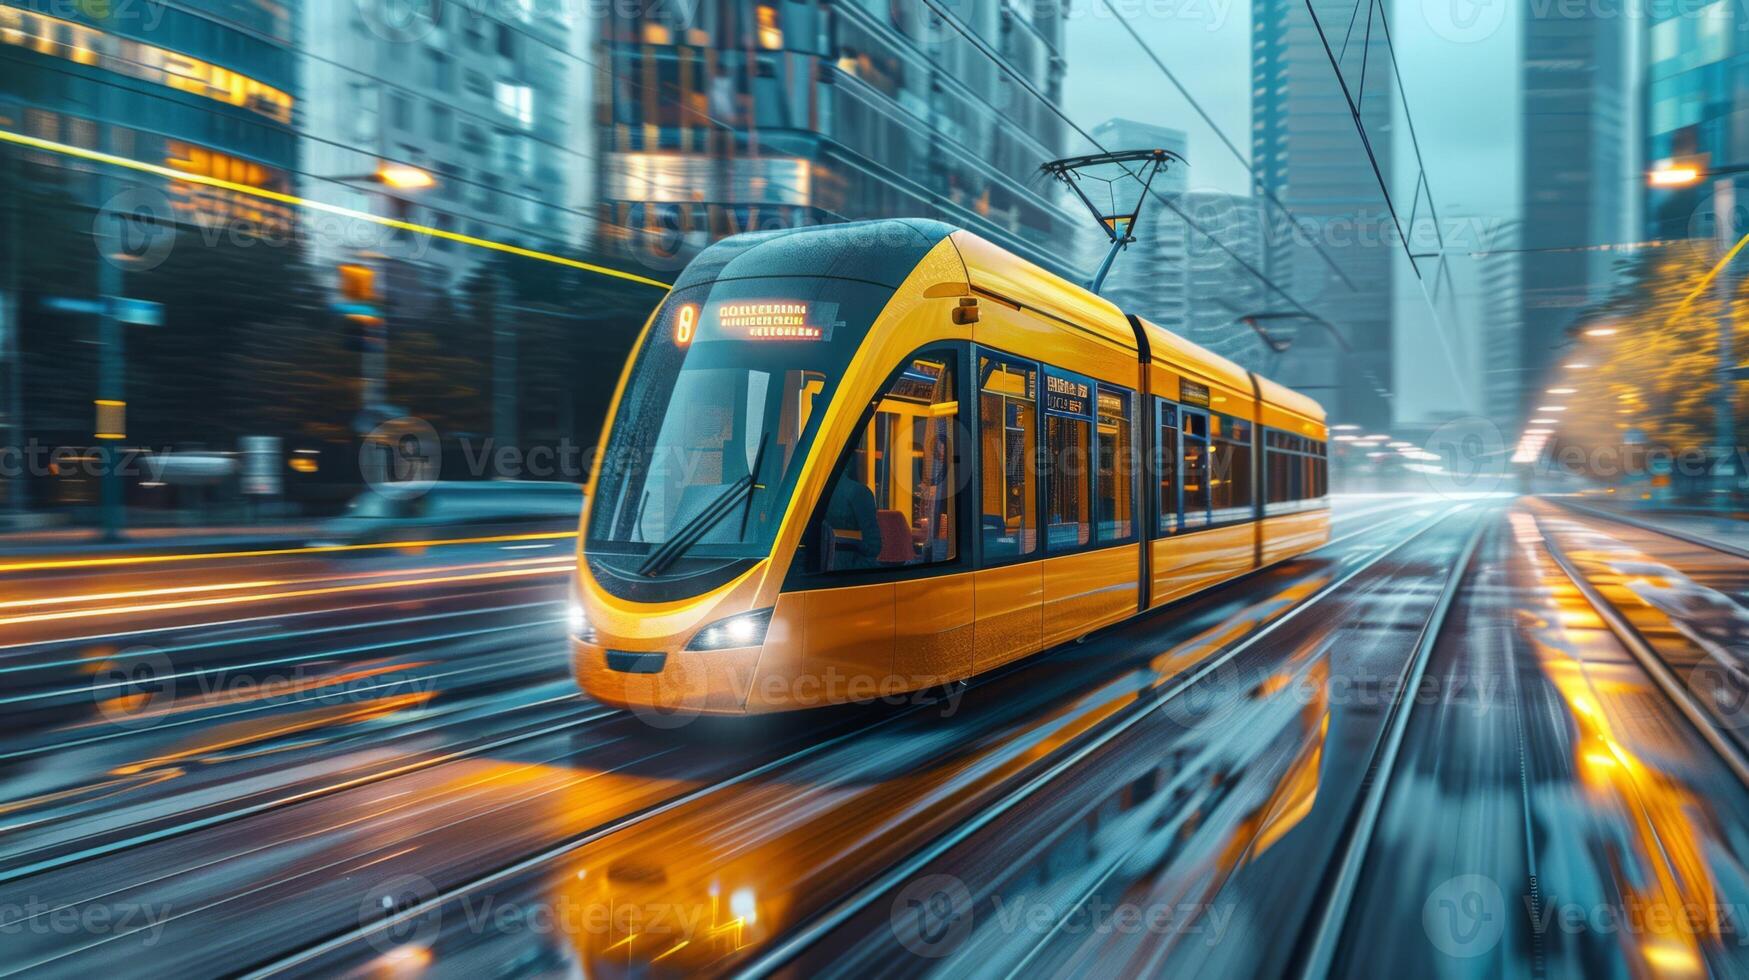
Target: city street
[{"x": 1470, "y": 736}]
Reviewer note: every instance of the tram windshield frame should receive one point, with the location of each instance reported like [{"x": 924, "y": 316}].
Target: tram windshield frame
[{"x": 723, "y": 403}]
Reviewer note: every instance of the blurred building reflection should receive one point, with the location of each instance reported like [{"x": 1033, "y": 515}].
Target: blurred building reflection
[
  {"x": 1218, "y": 288},
  {"x": 1694, "y": 108},
  {"x": 729, "y": 116},
  {"x": 204, "y": 87},
  {"x": 1306, "y": 150},
  {"x": 472, "y": 103},
  {"x": 1575, "y": 183}
]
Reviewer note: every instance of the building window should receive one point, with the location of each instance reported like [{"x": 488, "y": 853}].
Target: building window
[
  {"x": 1114, "y": 474},
  {"x": 515, "y": 101},
  {"x": 513, "y": 153},
  {"x": 442, "y": 71},
  {"x": 442, "y": 124},
  {"x": 400, "y": 111},
  {"x": 1008, "y": 439},
  {"x": 364, "y": 112},
  {"x": 506, "y": 42},
  {"x": 891, "y": 505}
]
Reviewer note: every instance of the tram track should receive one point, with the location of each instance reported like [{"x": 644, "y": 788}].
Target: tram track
[
  {"x": 634, "y": 818},
  {"x": 1729, "y": 747},
  {"x": 333, "y": 946},
  {"x": 1321, "y": 938},
  {"x": 1660, "y": 529},
  {"x": 783, "y": 953},
  {"x": 437, "y": 756}
]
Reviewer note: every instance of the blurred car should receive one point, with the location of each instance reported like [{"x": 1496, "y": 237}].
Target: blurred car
[{"x": 477, "y": 509}]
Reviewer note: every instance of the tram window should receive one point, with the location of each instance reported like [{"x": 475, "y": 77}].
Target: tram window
[
  {"x": 1194, "y": 469},
  {"x": 1166, "y": 461},
  {"x": 1230, "y": 469},
  {"x": 1008, "y": 441},
  {"x": 1067, "y": 519},
  {"x": 892, "y": 501},
  {"x": 1069, "y": 403},
  {"x": 1114, "y": 477}
]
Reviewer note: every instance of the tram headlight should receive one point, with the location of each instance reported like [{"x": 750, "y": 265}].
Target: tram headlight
[
  {"x": 577, "y": 621},
  {"x": 745, "y": 630}
]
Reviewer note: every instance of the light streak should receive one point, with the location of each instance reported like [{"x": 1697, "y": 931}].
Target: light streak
[
  {"x": 315, "y": 549},
  {"x": 267, "y": 597},
  {"x": 85, "y": 597},
  {"x": 66, "y": 149}
]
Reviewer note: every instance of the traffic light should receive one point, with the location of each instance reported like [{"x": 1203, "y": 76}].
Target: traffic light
[
  {"x": 360, "y": 319},
  {"x": 364, "y": 330}
]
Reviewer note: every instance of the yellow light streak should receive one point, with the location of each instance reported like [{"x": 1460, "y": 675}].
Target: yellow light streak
[
  {"x": 1707, "y": 280},
  {"x": 88, "y": 597},
  {"x": 318, "y": 549},
  {"x": 232, "y": 600},
  {"x": 294, "y": 200}
]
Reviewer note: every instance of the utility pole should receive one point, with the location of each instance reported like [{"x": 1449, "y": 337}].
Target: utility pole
[
  {"x": 111, "y": 394},
  {"x": 11, "y": 346},
  {"x": 503, "y": 364},
  {"x": 1724, "y": 411}
]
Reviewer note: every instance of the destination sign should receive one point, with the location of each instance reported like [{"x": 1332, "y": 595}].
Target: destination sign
[
  {"x": 1191, "y": 393},
  {"x": 774, "y": 319},
  {"x": 1068, "y": 394},
  {"x": 1113, "y": 408}
]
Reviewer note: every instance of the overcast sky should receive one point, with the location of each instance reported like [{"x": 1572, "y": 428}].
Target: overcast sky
[{"x": 1458, "y": 60}]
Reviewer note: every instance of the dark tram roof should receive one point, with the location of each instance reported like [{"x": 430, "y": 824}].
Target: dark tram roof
[{"x": 883, "y": 251}]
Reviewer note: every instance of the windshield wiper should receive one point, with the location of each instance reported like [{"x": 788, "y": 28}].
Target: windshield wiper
[{"x": 700, "y": 525}]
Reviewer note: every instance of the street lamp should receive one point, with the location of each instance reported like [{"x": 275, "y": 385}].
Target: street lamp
[
  {"x": 361, "y": 308},
  {"x": 404, "y": 177},
  {"x": 1668, "y": 174}
]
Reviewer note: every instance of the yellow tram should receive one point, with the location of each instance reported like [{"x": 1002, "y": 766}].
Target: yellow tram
[{"x": 850, "y": 461}]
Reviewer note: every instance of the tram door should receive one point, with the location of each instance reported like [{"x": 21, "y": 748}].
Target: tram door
[{"x": 887, "y": 609}]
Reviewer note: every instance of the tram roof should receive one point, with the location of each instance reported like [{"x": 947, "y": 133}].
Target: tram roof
[{"x": 883, "y": 252}]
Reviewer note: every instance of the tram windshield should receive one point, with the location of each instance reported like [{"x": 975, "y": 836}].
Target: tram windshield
[{"x": 722, "y": 404}]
